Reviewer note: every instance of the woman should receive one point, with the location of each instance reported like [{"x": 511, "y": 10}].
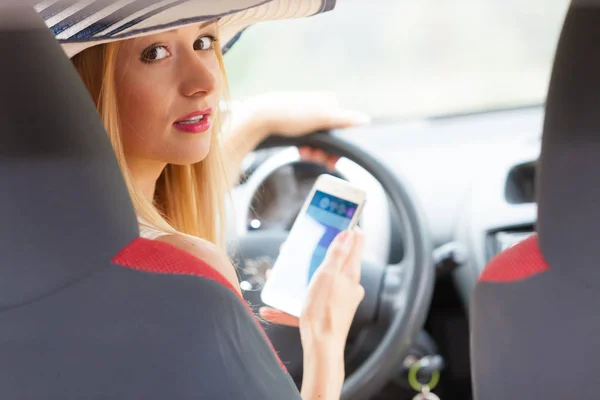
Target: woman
[{"x": 158, "y": 96}]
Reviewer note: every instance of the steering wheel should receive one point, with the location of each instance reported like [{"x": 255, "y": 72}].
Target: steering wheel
[{"x": 396, "y": 296}]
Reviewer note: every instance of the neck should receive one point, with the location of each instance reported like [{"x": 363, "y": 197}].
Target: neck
[{"x": 145, "y": 174}]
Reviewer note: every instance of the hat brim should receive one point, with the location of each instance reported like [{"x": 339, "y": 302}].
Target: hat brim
[{"x": 79, "y": 25}]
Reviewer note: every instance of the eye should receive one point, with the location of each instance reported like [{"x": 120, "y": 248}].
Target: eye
[
  {"x": 205, "y": 43},
  {"x": 155, "y": 53}
]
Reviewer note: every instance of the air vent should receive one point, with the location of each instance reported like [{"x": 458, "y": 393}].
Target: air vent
[
  {"x": 498, "y": 241},
  {"x": 520, "y": 184}
]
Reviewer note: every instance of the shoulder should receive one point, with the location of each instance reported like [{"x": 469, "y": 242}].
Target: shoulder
[{"x": 207, "y": 252}]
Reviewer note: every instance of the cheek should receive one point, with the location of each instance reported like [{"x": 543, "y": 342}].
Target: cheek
[{"x": 143, "y": 102}]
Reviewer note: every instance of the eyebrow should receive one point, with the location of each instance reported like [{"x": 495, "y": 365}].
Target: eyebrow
[{"x": 207, "y": 23}]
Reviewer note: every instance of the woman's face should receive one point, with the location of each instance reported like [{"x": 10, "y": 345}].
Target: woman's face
[{"x": 168, "y": 88}]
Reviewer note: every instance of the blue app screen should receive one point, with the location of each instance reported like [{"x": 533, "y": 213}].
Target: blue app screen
[{"x": 334, "y": 215}]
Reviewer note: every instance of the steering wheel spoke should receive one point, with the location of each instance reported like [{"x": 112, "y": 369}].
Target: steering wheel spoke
[{"x": 393, "y": 293}]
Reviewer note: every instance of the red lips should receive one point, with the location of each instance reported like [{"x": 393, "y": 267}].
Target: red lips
[
  {"x": 191, "y": 124},
  {"x": 208, "y": 111}
]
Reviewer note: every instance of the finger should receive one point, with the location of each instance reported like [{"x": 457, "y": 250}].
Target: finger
[
  {"x": 352, "y": 267},
  {"x": 278, "y": 317},
  {"x": 305, "y": 152},
  {"x": 268, "y": 274},
  {"x": 320, "y": 156},
  {"x": 331, "y": 162},
  {"x": 338, "y": 251},
  {"x": 308, "y": 153}
]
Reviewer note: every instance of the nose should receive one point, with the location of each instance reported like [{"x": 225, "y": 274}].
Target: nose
[{"x": 199, "y": 73}]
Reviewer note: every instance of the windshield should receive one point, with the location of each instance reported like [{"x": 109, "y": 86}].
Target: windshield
[{"x": 407, "y": 58}]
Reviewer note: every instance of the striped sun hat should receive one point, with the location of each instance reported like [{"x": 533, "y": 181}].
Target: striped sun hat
[{"x": 79, "y": 24}]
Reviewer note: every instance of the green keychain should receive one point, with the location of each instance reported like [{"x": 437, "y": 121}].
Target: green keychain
[{"x": 424, "y": 390}]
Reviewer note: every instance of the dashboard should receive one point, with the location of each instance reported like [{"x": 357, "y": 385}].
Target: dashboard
[{"x": 472, "y": 175}]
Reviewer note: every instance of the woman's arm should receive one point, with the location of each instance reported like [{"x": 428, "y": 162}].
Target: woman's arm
[
  {"x": 289, "y": 114},
  {"x": 239, "y": 142},
  {"x": 323, "y": 375}
]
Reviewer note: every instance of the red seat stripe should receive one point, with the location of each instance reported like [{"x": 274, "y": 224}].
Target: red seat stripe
[
  {"x": 519, "y": 262},
  {"x": 163, "y": 258}
]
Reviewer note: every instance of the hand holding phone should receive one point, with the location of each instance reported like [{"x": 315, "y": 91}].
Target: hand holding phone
[
  {"x": 335, "y": 291},
  {"x": 333, "y": 206},
  {"x": 333, "y": 297}
]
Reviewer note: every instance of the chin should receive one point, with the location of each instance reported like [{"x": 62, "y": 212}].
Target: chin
[
  {"x": 191, "y": 155},
  {"x": 190, "y": 148}
]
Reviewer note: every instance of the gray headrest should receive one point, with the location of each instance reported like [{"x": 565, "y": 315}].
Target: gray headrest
[
  {"x": 64, "y": 208},
  {"x": 569, "y": 173}
]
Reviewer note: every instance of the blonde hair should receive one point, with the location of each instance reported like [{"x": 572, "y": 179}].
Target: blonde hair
[{"x": 188, "y": 198}]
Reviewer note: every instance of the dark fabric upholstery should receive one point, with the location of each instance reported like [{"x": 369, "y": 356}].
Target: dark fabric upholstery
[
  {"x": 569, "y": 194},
  {"x": 535, "y": 330}
]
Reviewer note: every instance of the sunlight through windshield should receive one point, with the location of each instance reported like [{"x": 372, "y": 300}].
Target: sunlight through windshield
[{"x": 407, "y": 58}]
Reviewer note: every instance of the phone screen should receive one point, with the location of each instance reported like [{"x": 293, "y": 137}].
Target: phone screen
[
  {"x": 305, "y": 249},
  {"x": 329, "y": 215}
]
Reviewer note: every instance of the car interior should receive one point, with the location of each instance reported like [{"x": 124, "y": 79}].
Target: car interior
[{"x": 479, "y": 269}]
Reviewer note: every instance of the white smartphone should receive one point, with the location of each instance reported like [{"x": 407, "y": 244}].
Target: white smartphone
[{"x": 333, "y": 205}]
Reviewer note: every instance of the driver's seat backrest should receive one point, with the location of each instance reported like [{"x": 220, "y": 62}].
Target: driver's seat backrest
[
  {"x": 88, "y": 310},
  {"x": 535, "y": 313}
]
